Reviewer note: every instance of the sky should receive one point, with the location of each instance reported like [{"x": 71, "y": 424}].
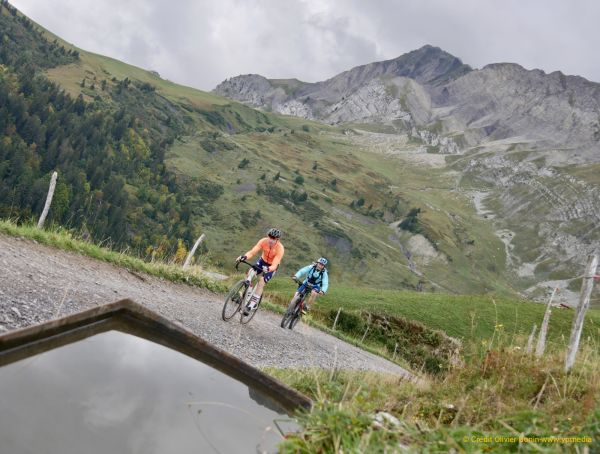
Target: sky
[{"x": 203, "y": 42}]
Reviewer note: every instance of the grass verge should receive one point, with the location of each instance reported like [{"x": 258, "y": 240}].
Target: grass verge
[
  {"x": 310, "y": 320},
  {"x": 502, "y": 400},
  {"x": 66, "y": 240}
]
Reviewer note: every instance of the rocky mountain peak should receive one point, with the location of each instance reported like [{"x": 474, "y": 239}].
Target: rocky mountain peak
[
  {"x": 248, "y": 88},
  {"x": 428, "y": 65},
  {"x": 430, "y": 88}
]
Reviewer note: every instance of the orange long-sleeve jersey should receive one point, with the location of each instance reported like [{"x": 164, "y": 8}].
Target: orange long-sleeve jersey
[{"x": 270, "y": 254}]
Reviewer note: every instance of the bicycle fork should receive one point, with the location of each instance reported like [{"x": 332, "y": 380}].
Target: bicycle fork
[
  {"x": 251, "y": 288},
  {"x": 249, "y": 294}
]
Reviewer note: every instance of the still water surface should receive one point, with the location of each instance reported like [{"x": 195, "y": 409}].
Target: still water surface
[{"x": 118, "y": 393}]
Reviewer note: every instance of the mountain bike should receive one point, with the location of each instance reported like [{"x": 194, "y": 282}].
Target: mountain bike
[
  {"x": 294, "y": 311},
  {"x": 240, "y": 294}
]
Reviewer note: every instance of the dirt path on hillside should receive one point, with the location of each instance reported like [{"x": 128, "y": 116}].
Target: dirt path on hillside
[{"x": 38, "y": 283}]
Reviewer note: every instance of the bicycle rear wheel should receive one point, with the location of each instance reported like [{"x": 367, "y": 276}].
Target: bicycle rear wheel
[
  {"x": 246, "y": 318},
  {"x": 234, "y": 299}
]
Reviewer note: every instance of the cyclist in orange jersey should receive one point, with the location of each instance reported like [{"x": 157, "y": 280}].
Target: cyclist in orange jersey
[{"x": 272, "y": 253}]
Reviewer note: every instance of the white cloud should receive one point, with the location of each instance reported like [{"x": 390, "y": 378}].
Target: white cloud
[{"x": 202, "y": 42}]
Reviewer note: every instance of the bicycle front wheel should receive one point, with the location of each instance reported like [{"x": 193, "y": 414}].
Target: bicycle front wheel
[
  {"x": 287, "y": 316},
  {"x": 295, "y": 318},
  {"x": 246, "y": 318},
  {"x": 234, "y": 299}
]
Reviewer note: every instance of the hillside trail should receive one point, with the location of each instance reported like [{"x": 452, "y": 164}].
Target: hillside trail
[{"x": 39, "y": 283}]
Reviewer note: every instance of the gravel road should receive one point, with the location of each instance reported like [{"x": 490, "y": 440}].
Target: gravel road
[{"x": 38, "y": 283}]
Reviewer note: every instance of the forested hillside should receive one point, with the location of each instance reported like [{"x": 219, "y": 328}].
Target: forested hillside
[{"x": 113, "y": 180}]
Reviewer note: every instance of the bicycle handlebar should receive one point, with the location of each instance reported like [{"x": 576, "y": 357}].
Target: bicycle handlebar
[
  {"x": 308, "y": 285},
  {"x": 251, "y": 265}
]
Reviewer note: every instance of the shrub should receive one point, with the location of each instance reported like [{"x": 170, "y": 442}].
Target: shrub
[{"x": 411, "y": 222}]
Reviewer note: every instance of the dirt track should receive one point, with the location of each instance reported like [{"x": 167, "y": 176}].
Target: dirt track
[{"x": 38, "y": 283}]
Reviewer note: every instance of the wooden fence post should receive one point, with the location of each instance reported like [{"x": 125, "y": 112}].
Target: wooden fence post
[
  {"x": 541, "y": 343},
  {"x": 367, "y": 330},
  {"x": 584, "y": 302},
  {"x": 336, "y": 318},
  {"x": 191, "y": 254},
  {"x": 530, "y": 340},
  {"x": 40, "y": 223}
]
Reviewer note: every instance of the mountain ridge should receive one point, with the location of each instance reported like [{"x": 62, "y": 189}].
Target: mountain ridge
[{"x": 449, "y": 84}]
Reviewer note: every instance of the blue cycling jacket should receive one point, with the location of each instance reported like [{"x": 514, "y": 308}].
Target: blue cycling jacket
[{"x": 314, "y": 276}]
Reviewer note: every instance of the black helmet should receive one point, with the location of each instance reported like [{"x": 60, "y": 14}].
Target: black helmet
[{"x": 274, "y": 233}]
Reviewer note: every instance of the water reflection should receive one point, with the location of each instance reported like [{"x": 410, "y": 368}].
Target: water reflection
[{"x": 117, "y": 393}]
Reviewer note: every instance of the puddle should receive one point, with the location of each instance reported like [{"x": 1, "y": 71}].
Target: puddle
[{"x": 119, "y": 393}]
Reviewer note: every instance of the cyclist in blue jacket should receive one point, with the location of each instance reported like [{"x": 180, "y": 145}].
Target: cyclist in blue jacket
[{"x": 316, "y": 274}]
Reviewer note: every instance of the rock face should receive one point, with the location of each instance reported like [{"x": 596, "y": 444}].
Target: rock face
[
  {"x": 503, "y": 101},
  {"x": 360, "y": 94},
  {"x": 429, "y": 89}
]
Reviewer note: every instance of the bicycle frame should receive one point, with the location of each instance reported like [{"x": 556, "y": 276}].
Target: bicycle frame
[
  {"x": 250, "y": 276},
  {"x": 308, "y": 287},
  {"x": 292, "y": 316},
  {"x": 248, "y": 286}
]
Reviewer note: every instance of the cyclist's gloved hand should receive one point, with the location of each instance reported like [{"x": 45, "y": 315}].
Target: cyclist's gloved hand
[
  {"x": 241, "y": 258},
  {"x": 265, "y": 269}
]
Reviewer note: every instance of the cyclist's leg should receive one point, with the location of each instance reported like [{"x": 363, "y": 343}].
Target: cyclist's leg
[
  {"x": 262, "y": 280},
  {"x": 266, "y": 277},
  {"x": 294, "y": 297},
  {"x": 312, "y": 298}
]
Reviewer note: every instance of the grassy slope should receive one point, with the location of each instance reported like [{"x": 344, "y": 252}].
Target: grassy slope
[
  {"x": 472, "y": 318},
  {"x": 501, "y": 393},
  {"x": 375, "y": 259},
  {"x": 449, "y": 219}
]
